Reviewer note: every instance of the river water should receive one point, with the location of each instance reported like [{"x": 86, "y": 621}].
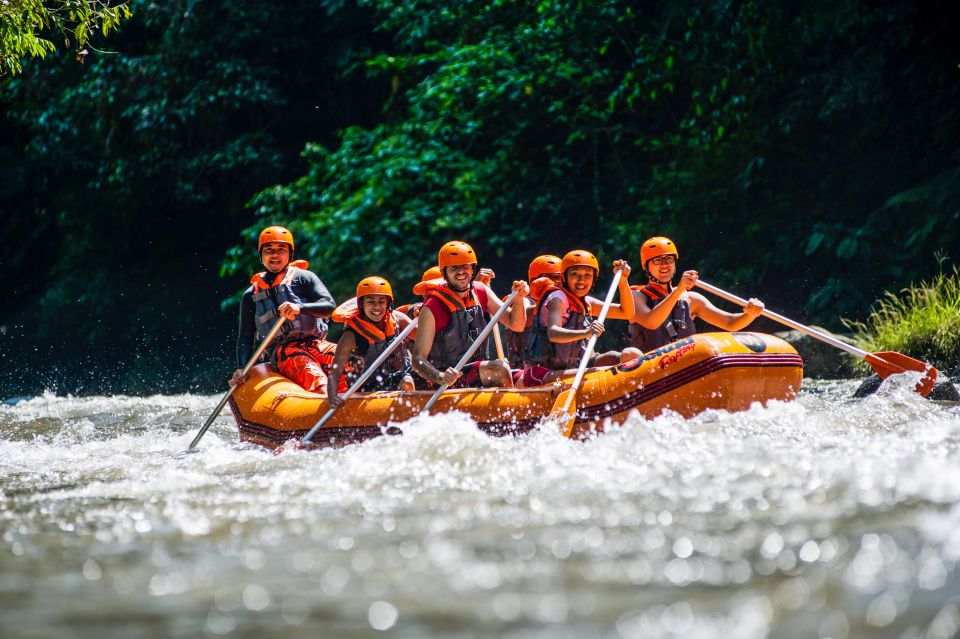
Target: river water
[{"x": 823, "y": 517}]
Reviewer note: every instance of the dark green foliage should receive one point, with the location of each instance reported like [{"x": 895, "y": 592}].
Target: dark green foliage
[
  {"x": 788, "y": 149},
  {"x": 802, "y": 152},
  {"x": 126, "y": 177}
]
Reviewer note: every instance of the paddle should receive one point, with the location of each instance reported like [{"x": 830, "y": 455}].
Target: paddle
[
  {"x": 398, "y": 340},
  {"x": 565, "y": 408},
  {"x": 473, "y": 347},
  {"x": 885, "y": 363},
  {"x": 498, "y": 343},
  {"x": 496, "y": 329},
  {"x": 246, "y": 369}
]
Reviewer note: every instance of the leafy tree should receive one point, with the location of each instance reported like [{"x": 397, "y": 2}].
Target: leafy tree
[
  {"x": 27, "y": 27},
  {"x": 125, "y": 178},
  {"x": 756, "y": 134}
]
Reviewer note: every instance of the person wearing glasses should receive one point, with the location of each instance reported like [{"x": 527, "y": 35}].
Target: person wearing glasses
[{"x": 663, "y": 312}]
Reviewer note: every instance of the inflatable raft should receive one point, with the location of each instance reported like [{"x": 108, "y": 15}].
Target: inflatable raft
[{"x": 726, "y": 371}]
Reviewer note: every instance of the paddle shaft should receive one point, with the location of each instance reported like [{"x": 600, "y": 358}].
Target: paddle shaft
[
  {"x": 246, "y": 369},
  {"x": 498, "y": 343},
  {"x": 592, "y": 342},
  {"x": 473, "y": 347},
  {"x": 829, "y": 339},
  {"x": 363, "y": 378}
]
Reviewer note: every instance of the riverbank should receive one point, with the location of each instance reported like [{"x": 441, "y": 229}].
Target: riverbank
[{"x": 921, "y": 321}]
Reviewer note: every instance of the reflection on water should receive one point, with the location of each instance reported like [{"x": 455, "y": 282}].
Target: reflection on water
[{"x": 825, "y": 517}]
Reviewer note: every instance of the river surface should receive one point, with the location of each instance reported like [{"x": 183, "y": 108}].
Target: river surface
[{"x": 823, "y": 517}]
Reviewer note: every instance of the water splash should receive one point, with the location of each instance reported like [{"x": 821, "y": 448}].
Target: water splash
[{"x": 821, "y": 517}]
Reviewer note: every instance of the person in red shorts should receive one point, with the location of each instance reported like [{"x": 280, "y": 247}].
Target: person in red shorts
[
  {"x": 286, "y": 289},
  {"x": 453, "y": 316},
  {"x": 565, "y": 319}
]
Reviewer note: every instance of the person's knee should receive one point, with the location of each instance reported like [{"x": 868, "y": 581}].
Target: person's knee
[
  {"x": 314, "y": 379},
  {"x": 607, "y": 359},
  {"x": 630, "y": 353},
  {"x": 496, "y": 373}
]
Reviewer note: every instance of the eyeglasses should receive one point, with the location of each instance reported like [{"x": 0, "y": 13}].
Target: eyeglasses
[{"x": 664, "y": 259}]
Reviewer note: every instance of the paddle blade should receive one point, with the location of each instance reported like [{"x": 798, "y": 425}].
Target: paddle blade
[
  {"x": 564, "y": 411},
  {"x": 887, "y": 363},
  {"x": 930, "y": 373}
]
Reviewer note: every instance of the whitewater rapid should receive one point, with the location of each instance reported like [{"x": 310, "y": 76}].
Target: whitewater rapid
[{"x": 823, "y": 517}]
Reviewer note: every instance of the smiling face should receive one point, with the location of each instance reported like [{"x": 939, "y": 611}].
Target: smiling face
[
  {"x": 275, "y": 256},
  {"x": 459, "y": 277},
  {"x": 580, "y": 280},
  {"x": 375, "y": 307},
  {"x": 662, "y": 268}
]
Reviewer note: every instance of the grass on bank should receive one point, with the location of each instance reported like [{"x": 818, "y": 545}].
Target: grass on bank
[{"x": 922, "y": 321}]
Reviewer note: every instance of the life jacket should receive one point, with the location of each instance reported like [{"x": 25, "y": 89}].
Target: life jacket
[
  {"x": 541, "y": 351},
  {"x": 268, "y": 298},
  {"x": 371, "y": 341},
  {"x": 678, "y": 325},
  {"x": 516, "y": 343},
  {"x": 467, "y": 320}
]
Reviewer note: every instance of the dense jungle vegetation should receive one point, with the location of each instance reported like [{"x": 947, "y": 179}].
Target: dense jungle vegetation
[{"x": 806, "y": 153}]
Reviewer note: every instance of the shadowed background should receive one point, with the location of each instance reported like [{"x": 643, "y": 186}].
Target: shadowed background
[{"x": 806, "y": 156}]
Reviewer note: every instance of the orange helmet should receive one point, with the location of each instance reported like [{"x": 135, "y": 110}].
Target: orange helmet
[
  {"x": 655, "y": 247},
  {"x": 543, "y": 265},
  {"x": 275, "y": 234},
  {"x": 432, "y": 273},
  {"x": 374, "y": 286},
  {"x": 580, "y": 258},
  {"x": 456, "y": 254}
]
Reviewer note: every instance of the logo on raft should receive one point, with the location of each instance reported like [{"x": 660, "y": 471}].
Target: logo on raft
[
  {"x": 682, "y": 347},
  {"x": 754, "y": 343},
  {"x": 666, "y": 360}
]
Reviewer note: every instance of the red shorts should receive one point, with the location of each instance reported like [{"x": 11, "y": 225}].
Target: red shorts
[
  {"x": 533, "y": 375},
  {"x": 469, "y": 378},
  {"x": 308, "y": 364}
]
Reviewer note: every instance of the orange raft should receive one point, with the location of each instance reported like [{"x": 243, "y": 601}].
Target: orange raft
[{"x": 726, "y": 371}]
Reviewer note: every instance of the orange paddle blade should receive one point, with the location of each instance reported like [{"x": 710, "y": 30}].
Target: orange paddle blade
[
  {"x": 887, "y": 363},
  {"x": 565, "y": 415}
]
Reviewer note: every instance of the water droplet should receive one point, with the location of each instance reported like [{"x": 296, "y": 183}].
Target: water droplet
[
  {"x": 382, "y": 615},
  {"x": 91, "y": 570}
]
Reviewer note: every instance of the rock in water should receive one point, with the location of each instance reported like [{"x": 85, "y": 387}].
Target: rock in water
[
  {"x": 944, "y": 391},
  {"x": 869, "y": 386}
]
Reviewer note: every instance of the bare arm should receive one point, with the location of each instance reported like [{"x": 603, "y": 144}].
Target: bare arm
[
  {"x": 340, "y": 358},
  {"x": 402, "y": 320},
  {"x": 426, "y": 331},
  {"x": 653, "y": 318},
  {"x": 702, "y": 308},
  {"x": 559, "y": 335},
  {"x": 516, "y": 317},
  {"x": 625, "y": 310}
]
